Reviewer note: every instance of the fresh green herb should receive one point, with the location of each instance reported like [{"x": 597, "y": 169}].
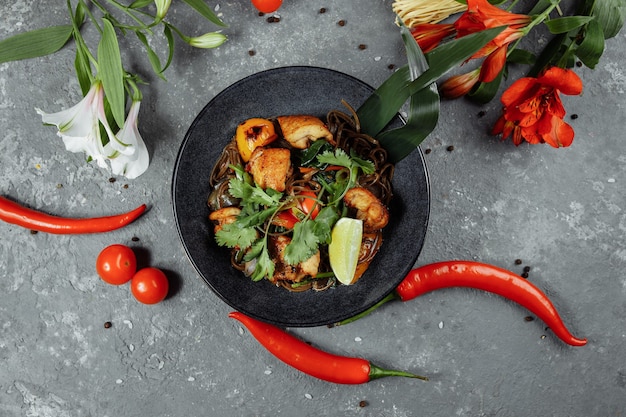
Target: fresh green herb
[{"x": 251, "y": 229}]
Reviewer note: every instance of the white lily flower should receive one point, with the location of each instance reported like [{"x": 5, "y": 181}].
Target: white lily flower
[
  {"x": 79, "y": 127},
  {"x": 135, "y": 164}
]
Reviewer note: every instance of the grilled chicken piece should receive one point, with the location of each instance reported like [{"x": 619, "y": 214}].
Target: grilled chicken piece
[
  {"x": 301, "y": 130},
  {"x": 224, "y": 216},
  {"x": 285, "y": 272},
  {"x": 368, "y": 207},
  {"x": 270, "y": 167}
]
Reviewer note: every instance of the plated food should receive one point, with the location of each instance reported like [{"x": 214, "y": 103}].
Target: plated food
[
  {"x": 296, "y": 90},
  {"x": 300, "y": 201}
]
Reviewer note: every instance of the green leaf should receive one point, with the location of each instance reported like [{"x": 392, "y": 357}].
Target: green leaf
[
  {"x": 485, "y": 92},
  {"x": 201, "y": 7},
  {"x": 36, "y": 43},
  {"x": 591, "y": 48},
  {"x": 384, "y": 103},
  {"x": 303, "y": 244},
  {"x": 423, "y": 108},
  {"x": 566, "y": 24},
  {"x": 551, "y": 50},
  {"x": 138, "y": 4},
  {"x": 167, "y": 31},
  {"x": 83, "y": 69},
  {"x": 611, "y": 15},
  {"x": 234, "y": 235},
  {"x": 521, "y": 56},
  {"x": 111, "y": 72},
  {"x": 264, "y": 266},
  {"x": 152, "y": 55}
]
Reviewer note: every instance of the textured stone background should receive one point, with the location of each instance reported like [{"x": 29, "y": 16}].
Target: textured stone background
[{"x": 560, "y": 211}]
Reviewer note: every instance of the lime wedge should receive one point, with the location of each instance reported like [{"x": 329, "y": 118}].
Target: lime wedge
[{"x": 344, "y": 248}]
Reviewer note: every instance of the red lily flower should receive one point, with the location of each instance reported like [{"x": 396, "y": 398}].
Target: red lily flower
[
  {"x": 482, "y": 15},
  {"x": 429, "y": 35},
  {"x": 459, "y": 85},
  {"x": 533, "y": 110}
]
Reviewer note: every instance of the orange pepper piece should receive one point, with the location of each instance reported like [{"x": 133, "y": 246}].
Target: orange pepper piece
[{"x": 252, "y": 134}]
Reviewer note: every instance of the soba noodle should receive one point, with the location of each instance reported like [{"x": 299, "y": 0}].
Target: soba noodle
[{"x": 347, "y": 136}]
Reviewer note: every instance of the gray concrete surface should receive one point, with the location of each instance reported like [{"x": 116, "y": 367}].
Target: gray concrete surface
[{"x": 560, "y": 211}]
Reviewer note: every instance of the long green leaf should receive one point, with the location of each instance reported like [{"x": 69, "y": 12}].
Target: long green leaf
[
  {"x": 83, "y": 70},
  {"x": 33, "y": 44},
  {"x": 152, "y": 55},
  {"x": 611, "y": 15},
  {"x": 111, "y": 72},
  {"x": 201, "y": 7},
  {"x": 485, "y": 92},
  {"x": 167, "y": 31},
  {"x": 423, "y": 108},
  {"x": 592, "y": 47},
  {"x": 384, "y": 103},
  {"x": 565, "y": 24}
]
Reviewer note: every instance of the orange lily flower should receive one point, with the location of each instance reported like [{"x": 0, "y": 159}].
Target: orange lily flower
[
  {"x": 459, "y": 85},
  {"x": 482, "y": 15},
  {"x": 533, "y": 110},
  {"x": 429, "y": 35}
]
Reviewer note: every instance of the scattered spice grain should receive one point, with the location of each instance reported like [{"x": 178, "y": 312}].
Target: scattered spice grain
[
  {"x": 518, "y": 262},
  {"x": 107, "y": 324},
  {"x": 341, "y": 22},
  {"x": 252, "y": 52},
  {"x": 574, "y": 116},
  {"x": 33, "y": 232},
  {"x": 427, "y": 151},
  {"x": 450, "y": 148},
  {"x": 529, "y": 318},
  {"x": 323, "y": 10},
  {"x": 112, "y": 180},
  {"x": 363, "y": 403},
  {"x": 135, "y": 239},
  {"x": 362, "y": 46}
]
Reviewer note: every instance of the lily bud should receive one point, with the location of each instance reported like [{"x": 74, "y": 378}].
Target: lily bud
[
  {"x": 208, "y": 40},
  {"x": 162, "y": 8}
]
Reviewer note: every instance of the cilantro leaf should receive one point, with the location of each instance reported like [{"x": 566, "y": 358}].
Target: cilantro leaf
[
  {"x": 339, "y": 157},
  {"x": 235, "y": 235},
  {"x": 324, "y": 223},
  {"x": 264, "y": 266},
  {"x": 253, "y": 194},
  {"x": 303, "y": 244}
]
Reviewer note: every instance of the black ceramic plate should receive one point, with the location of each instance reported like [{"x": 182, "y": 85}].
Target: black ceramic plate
[{"x": 282, "y": 91}]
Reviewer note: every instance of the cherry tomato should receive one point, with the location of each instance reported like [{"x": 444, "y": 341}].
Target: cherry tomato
[
  {"x": 267, "y": 6},
  {"x": 149, "y": 285},
  {"x": 116, "y": 264}
]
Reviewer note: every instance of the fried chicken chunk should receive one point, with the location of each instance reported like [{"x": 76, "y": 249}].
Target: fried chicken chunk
[
  {"x": 270, "y": 167},
  {"x": 370, "y": 209},
  {"x": 285, "y": 272},
  {"x": 301, "y": 130},
  {"x": 224, "y": 216}
]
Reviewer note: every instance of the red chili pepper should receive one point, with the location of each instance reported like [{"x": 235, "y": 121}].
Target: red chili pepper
[
  {"x": 312, "y": 361},
  {"x": 13, "y": 213},
  {"x": 482, "y": 277}
]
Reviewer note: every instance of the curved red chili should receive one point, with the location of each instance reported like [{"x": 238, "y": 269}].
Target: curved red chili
[
  {"x": 14, "y": 213},
  {"x": 482, "y": 277},
  {"x": 312, "y": 361}
]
